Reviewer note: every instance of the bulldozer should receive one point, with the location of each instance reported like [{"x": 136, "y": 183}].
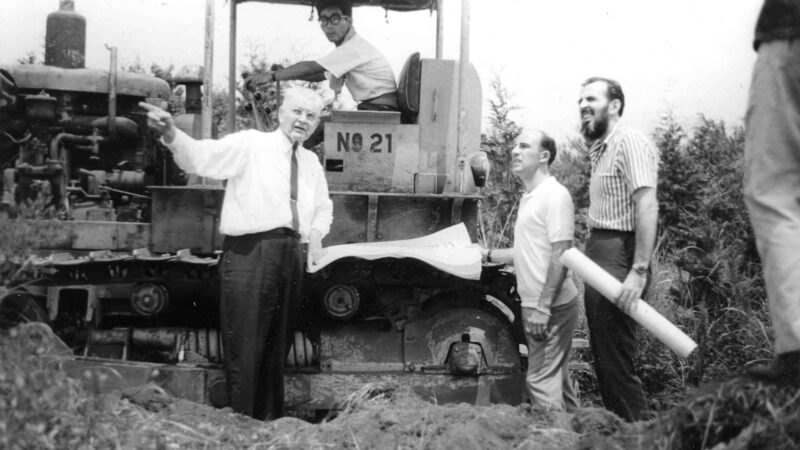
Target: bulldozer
[{"x": 125, "y": 263}]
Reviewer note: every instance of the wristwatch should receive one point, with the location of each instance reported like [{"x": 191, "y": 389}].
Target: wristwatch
[{"x": 641, "y": 269}]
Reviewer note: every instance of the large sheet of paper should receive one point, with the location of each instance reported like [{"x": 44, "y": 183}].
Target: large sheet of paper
[{"x": 449, "y": 250}]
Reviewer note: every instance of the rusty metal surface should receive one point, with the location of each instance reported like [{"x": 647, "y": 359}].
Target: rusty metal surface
[
  {"x": 324, "y": 391},
  {"x": 352, "y": 348},
  {"x": 303, "y": 390},
  {"x": 90, "y": 235},
  {"x": 186, "y": 218},
  {"x": 30, "y": 76},
  {"x": 367, "y": 217},
  {"x": 427, "y": 341},
  {"x": 81, "y": 235},
  {"x": 188, "y": 382}
]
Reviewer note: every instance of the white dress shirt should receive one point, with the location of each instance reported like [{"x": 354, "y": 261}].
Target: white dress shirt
[{"x": 257, "y": 167}]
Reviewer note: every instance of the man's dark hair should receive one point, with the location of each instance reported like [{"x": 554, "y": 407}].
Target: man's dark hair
[
  {"x": 613, "y": 90},
  {"x": 549, "y": 144},
  {"x": 344, "y": 5}
]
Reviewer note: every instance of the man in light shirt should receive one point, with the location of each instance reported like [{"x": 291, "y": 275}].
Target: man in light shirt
[
  {"x": 544, "y": 229},
  {"x": 354, "y": 62},
  {"x": 623, "y": 215},
  {"x": 276, "y": 199}
]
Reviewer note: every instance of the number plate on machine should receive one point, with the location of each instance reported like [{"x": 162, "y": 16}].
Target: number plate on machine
[{"x": 371, "y": 157}]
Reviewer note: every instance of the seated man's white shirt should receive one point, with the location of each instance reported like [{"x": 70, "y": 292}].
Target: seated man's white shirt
[
  {"x": 367, "y": 73},
  {"x": 546, "y": 215},
  {"x": 257, "y": 166}
]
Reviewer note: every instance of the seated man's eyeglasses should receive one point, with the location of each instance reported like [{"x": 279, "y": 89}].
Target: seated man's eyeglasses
[{"x": 332, "y": 20}]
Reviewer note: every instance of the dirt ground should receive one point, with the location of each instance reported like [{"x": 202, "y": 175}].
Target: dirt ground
[
  {"x": 380, "y": 418},
  {"x": 41, "y": 407}
]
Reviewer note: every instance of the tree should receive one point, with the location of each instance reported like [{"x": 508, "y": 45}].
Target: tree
[{"x": 503, "y": 190}]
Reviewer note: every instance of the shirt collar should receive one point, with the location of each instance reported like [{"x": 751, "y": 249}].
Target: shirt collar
[
  {"x": 599, "y": 147},
  {"x": 286, "y": 142},
  {"x": 545, "y": 180}
]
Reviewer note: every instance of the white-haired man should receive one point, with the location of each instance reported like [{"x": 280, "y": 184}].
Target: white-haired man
[{"x": 276, "y": 199}]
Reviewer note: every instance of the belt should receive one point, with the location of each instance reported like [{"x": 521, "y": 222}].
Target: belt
[
  {"x": 277, "y": 233},
  {"x": 606, "y": 230}
]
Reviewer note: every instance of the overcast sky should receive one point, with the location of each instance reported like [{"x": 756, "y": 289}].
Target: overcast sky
[{"x": 687, "y": 57}]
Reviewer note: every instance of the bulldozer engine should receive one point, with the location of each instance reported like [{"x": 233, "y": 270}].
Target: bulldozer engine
[{"x": 74, "y": 144}]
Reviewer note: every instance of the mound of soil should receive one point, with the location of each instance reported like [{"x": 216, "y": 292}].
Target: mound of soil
[{"x": 390, "y": 420}]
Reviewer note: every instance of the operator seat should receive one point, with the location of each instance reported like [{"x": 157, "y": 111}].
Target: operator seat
[{"x": 408, "y": 89}]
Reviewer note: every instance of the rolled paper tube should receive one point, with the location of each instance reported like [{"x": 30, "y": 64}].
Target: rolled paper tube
[{"x": 664, "y": 330}]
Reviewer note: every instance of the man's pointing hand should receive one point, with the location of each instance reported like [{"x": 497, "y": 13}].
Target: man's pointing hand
[{"x": 160, "y": 120}]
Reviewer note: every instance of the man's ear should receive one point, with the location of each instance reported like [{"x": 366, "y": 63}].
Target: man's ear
[
  {"x": 544, "y": 155},
  {"x": 614, "y": 106}
]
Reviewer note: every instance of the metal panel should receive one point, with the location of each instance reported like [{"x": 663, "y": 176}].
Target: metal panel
[
  {"x": 427, "y": 341},
  {"x": 186, "y": 217},
  {"x": 349, "y": 219},
  {"x": 358, "y": 218},
  {"x": 350, "y": 348},
  {"x": 438, "y": 119},
  {"x": 100, "y": 376},
  {"x": 373, "y": 157},
  {"x": 90, "y": 235},
  {"x": 80, "y": 235},
  {"x": 410, "y": 217}
]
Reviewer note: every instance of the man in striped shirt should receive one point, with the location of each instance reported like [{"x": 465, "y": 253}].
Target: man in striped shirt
[{"x": 623, "y": 214}]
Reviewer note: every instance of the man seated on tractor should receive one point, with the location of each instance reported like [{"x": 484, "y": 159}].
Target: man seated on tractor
[{"x": 354, "y": 63}]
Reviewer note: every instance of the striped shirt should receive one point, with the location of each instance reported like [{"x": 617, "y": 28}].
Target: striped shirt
[{"x": 622, "y": 163}]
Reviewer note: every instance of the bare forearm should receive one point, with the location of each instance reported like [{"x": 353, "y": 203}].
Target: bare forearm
[
  {"x": 646, "y": 225},
  {"x": 304, "y": 70},
  {"x": 556, "y": 274},
  {"x": 502, "y": 255}
]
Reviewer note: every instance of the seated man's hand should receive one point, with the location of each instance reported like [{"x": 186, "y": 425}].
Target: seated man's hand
[{"x": 258, "y": 81}]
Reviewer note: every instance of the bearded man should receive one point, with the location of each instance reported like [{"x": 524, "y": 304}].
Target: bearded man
[{"x": 623, "y": 215}]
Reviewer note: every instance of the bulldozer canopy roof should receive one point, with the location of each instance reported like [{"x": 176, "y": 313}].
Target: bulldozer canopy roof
[{"x": 396, "y": 5}]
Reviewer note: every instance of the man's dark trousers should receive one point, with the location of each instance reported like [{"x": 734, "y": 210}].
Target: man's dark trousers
[
  {"x": 261, "y": 277},
  {"x": 612, "y": 332}
]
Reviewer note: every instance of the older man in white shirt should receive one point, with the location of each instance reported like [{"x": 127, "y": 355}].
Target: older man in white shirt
[{"x": 276, "y": 199}]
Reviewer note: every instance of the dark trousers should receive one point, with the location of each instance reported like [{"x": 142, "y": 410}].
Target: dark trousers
[
  {"x": 612, "y": 332},
  {"x": 261, "y": 276}
]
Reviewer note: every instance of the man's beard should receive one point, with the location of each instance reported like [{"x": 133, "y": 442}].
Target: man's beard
[{"x": 595, "y": 128}]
